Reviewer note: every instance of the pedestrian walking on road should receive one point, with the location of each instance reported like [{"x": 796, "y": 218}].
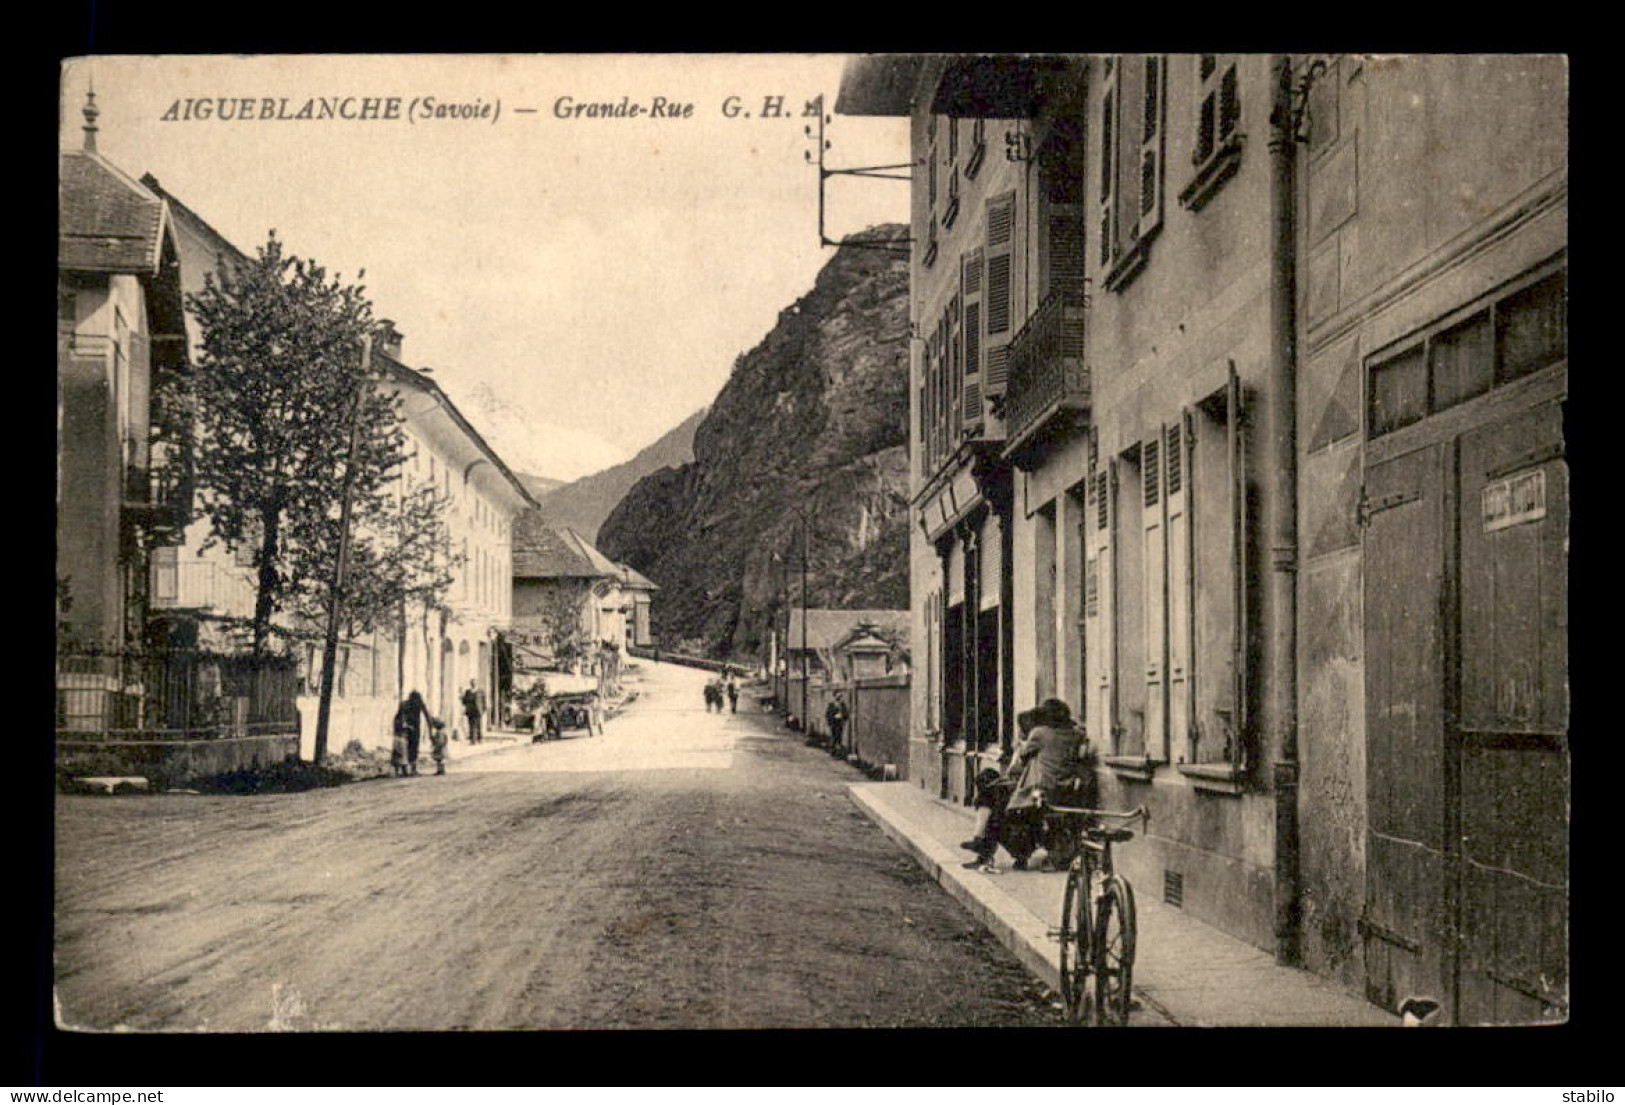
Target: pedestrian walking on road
[
  {"x": 733, "y": 697},
  {"x": 473, "y": 708},
  {"x": 409, "y": 722}
]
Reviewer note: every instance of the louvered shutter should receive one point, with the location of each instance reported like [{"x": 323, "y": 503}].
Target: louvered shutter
[
  {"x": 972, "y": 382},
  {"x": 969, "y": 320},
  {"x": 1001, "y": 218},
  {"x": 1126, "y": 171},
  {"x": 1107, "y": 198},
  {"x": 1153, "y": 96},
  {"x": 140, "y": 413},
  {"x": 1239, "y": 576},
  {"x": 1154, "y": 535},
  {"x": 1181, "y": 683},
  {"x": 1106, "y": 519}
]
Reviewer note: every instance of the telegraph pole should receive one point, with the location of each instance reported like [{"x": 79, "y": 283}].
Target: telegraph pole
[{"x": 335, "y": 598}]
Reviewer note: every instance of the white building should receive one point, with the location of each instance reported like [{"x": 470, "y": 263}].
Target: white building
[{"x": 439, "y": 654}]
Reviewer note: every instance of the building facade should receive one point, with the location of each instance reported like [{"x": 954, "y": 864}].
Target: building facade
[
  {"x": 1221, "y": 362},
  {"x": 436, "y": 652},
  {"x": 122, "y": 471}
]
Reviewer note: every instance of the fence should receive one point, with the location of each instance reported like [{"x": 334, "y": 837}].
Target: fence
[
  {"x": 173, "y": 694},
  {"x": 878, "y": 712}
]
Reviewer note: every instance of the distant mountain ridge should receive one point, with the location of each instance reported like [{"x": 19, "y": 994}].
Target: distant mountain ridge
[
  {"x": 583, "y": 504},
  {"x": 813, "y": 421}
]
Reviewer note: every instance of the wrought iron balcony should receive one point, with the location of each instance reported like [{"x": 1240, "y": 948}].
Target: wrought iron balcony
[
  {"x": 1048, "y": 382},
  {"x": 158, "y": 495}
]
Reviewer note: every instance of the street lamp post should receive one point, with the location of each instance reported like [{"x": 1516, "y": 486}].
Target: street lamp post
[{"x": 805, "y": 723}]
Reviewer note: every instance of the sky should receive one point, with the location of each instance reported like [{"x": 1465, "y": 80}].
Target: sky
[{"x": 578, "y": 285}]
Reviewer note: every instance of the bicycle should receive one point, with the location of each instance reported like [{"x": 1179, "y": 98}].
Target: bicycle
[{"x": 1097, "y": 931}]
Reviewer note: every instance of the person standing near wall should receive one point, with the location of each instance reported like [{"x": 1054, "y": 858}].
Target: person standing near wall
[
  {"x": 473, "y": 709},
  {"x": 835, "y": 716}
]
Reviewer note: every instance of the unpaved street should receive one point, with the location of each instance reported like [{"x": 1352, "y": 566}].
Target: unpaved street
[{"x": 683, "y": 870}]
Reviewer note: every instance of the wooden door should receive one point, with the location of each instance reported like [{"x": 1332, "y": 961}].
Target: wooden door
[
  {"x": 1406, "y": 920},
  {"x": 1513, "y": 740}
]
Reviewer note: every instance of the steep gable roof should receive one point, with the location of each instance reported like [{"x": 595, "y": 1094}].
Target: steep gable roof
[
  {"x": 543, "y": 551},
  {"x": 106, "y": 222},
  {"x": 827, "y": 629}
]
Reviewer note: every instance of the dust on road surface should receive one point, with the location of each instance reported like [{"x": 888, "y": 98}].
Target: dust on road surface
[{"x": 684, "y": 869}]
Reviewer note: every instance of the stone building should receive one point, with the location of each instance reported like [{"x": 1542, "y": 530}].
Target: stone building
[{"x": 1236, "y": 425}]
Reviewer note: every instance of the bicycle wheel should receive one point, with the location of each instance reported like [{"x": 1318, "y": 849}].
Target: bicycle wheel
[
  {"x": 1114, "y": 951},
  {"x": 1075, "y": 945}
]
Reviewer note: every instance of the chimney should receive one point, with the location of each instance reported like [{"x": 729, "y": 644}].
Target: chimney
[{"x": 389, "y": 338}]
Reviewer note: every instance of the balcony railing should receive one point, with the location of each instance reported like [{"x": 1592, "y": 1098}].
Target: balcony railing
[
  {"x": 1047, "y": 371},
  {"x": 159, "y": 496}
]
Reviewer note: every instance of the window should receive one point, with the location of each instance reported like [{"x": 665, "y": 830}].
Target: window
[
  {"x": 1216, "y": 151},
  {"x": 978, "y": 148},
  {"x": 1133, "y": 112},
  {"x": 1521, "y": 333}
]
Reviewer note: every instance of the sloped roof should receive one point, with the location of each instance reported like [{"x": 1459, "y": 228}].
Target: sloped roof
[
  {"x": 405, "y": 374},
  {"x": 106, "y": 222},
  {"x": 826, "y": 629},
  {"x": 636, "y": 580},
  {"x": 544, "y": 551}
]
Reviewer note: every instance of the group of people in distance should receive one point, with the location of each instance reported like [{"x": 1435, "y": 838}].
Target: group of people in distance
[
  {"x": 722, "y": 689},
  {"x": 412, "y": 719},
  {"x": 1051, "y": 765}
]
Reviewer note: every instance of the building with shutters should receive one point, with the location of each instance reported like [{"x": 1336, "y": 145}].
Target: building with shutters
[
  {"x": 203, "y": 592},
  {"x": 1203, "y": 344}
]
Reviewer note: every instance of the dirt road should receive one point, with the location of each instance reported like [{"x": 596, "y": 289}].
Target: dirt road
[{"x": 685, "y": 869}]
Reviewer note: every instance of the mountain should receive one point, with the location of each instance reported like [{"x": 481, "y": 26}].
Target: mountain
[
  {"x": 814, "y": 420},
  {"x": 538, "y": 486},
  {"x": 583, "y": 504}
]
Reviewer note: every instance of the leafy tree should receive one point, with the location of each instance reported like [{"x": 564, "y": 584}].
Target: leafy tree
[
  {"x": 557, "y": 619},
  {"x": 279, "y": 386}
]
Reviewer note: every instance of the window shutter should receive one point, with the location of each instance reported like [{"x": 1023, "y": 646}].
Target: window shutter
[
  {"x": 1001, "y": 219},
  {"x": 969, "y": 322},
  {"x": 1126, "y": 170},
  {"x": 1239, "y": 721},
  {"x": 1153, "y": 96},
  {"x": 1154, "y": 533},
  {"x": 1109, "y": 713},
  {"x": 1107, "y": 217},
  {"x": 1181, "y": 591},
  {"x": 140, "y": 446}
]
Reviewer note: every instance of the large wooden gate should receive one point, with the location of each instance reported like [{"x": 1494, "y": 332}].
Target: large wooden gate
[{"x": 1467, "y": 771}]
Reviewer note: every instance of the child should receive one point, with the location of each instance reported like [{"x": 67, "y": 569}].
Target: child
[{"x": 437, "y": 745}]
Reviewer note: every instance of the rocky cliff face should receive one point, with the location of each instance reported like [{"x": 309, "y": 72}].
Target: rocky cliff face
[{"x": 814, "y": 419}]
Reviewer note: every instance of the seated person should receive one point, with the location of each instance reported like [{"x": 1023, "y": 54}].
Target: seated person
[
  {"x": 994, "y": 789},
  {"x": 1051, "y": 765}
]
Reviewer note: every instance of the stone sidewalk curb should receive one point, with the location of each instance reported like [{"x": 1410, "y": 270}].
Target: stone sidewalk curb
[
  {"x": 1012, "y": 923},
  {"x": 1190, "y": 976}
]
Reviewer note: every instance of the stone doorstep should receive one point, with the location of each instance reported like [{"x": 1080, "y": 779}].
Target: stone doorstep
[{"x": 1186, "y": 972}]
